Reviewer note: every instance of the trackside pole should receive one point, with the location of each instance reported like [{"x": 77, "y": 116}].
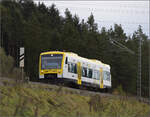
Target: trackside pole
[
  {"x": 149, "y": 68},
  {"x": 139, "y": 70},
  {"x": 21, "y": 63}
]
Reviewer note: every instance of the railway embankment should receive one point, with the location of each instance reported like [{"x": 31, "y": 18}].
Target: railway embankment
[{"x": 44, "y": 100}]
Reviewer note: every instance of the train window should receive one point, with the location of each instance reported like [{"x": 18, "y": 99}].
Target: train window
[
  {"x": 66, "y": 62},
  {"x": 84, "y": 72},
  {"x": 87, "y": 73},
  {"x": 51, "y": 61},
  {"x": 69, "y": 67},
  {"x": 96, "y": 75},
  {"x": 72, "y": 67},
  {"x": 106, "y": 75},
  {"x": 75, "y": 68},
  {"x": 90, "y": 73}
]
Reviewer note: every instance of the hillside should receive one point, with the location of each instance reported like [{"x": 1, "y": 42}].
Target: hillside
[
  {"x": 40, "y": 100},
  {"x": 39, "y": 28}
]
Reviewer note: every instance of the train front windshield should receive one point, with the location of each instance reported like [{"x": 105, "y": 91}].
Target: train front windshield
[{"x": 51, "y": 61}]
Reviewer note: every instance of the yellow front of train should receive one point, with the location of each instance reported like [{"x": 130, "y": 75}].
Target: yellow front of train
[{"x": 51, "y": 64}]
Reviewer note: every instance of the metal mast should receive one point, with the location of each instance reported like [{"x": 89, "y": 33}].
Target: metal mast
[
  {"x": 1, "y": 36},
  {"x": 114, "y": 42},
  {"x": 149, "y": 67},
  {"x": 139, "y": 69}
]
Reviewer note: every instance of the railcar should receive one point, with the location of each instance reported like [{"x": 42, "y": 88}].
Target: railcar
[{"x": 68, "y": 66}]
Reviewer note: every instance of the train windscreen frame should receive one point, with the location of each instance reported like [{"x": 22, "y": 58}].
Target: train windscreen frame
[{"x": 51, "y": 61}]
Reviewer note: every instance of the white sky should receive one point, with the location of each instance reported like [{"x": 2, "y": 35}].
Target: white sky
[{"x": 130, "y": 14}]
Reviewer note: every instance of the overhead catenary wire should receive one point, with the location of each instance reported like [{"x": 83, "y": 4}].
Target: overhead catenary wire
[{"x": 121, "y": 46}]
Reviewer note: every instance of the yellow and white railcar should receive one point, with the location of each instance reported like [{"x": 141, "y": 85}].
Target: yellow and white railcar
[{"x": 69, "y": 66}]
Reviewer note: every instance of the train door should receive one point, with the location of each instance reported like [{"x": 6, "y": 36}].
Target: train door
[
  {"x": 79, "y": 73},
  {"x": 101, "y": 78}
]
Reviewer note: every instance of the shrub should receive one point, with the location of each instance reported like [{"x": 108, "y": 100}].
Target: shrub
[
  {"x": 95, "y": 103},
  {"x": 119, "y": 91},
  {"x": 16, "y": 74},
  {"x": 6, "y": 63},
  {"x": 7, "y": 68}
]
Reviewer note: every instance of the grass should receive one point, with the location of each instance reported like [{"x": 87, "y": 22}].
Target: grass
[{"x": 28, "y": 100}]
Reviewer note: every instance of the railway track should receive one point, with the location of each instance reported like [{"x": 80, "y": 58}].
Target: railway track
[
  {"x": 85, "y": 92},
  {"x": 82, "y": 92}
]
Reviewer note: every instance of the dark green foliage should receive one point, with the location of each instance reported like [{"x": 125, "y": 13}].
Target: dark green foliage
[{"x": 39, "y": 28}]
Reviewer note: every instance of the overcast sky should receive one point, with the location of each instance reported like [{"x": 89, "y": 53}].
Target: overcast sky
[{"x": 130, "y": 14}]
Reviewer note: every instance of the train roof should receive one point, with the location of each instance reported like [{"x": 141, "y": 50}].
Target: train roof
[
  {"x": 59, "y": 52},
  {"x": 76, "y": 55},
  {"x": 52, "y": 52}
]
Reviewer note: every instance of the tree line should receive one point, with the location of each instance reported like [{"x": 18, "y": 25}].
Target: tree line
[{"x": 39, "y": 28}]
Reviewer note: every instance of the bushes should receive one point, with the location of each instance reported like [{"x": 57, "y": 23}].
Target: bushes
[
  {"x": 119, "y": 91},
  {"x": 6, "y": 63},
  {"x": 34, "y": 100},
  {"x": 116, "y": 107},
  {"x": 7, "y": 68},
  {"x": 95, "y": 103}
]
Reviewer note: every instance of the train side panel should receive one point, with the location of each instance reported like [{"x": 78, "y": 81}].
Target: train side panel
[
  {"x": 80, "y": 70},
  {"x": 71, "y": 61}
]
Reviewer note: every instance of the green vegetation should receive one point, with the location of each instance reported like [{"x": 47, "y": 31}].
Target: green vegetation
[
  {"x": 39, "y": 28},
  {"x": 6, "y": 63},
  {"x": 28, "y": 100},
  {"x": 7, "y": 67}
]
